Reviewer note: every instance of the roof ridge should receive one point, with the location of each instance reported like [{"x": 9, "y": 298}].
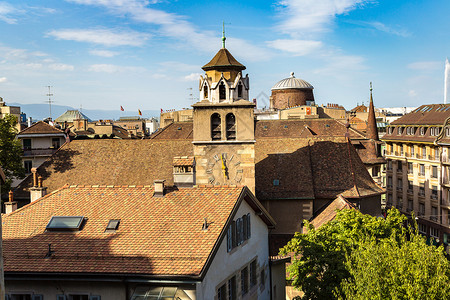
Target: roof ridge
[
  {"x": 39, "y": 122},
  {"x": 108, "y": 186}
]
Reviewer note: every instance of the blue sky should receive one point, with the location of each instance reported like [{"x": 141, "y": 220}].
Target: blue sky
[{"x": 101, "y": 54}]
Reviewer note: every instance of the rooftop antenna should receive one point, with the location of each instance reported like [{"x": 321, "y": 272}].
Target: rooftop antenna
[
  {"x": 191, "y": 95},
  {"x": 49, "y": 101}
]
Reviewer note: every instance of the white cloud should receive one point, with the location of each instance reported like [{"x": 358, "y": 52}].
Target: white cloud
[
  {"x": 306, "y": 17},
  {"x": 105, "y": 37},
  {"x": 3, "y": 79},
  {"x": 61, "y": 67},
  {"x": 103, "y": 53},
  {"x": 384, "y": 28},
  {"x": 108, "y": 68},
  {"x": 296, "y": 47},
  {"x": 6, "y": 10},
  {"x": 426, "y": 65},
  {"x": 337, "y": 64},
  {"x": 412, "y": 93},
  {"x": 192, "y": 77}
]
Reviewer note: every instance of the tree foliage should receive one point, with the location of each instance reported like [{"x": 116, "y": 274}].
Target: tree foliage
[
  {"x": 325, "y": 259},
  {"x": 10, "y": 151}
]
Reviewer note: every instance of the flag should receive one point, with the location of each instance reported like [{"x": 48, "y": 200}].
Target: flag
[
  {"x": 139, "y": 111},
  {"x": 161, "y": 110},
  {"x": 121, "y": 108}
]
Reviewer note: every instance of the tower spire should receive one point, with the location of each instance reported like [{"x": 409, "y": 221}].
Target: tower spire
[
  {"x": 223, "y": 34},
  {"x": 372, "y": 131}
]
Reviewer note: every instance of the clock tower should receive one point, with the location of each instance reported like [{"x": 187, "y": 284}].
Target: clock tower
[{"x": 224, "y": 135}]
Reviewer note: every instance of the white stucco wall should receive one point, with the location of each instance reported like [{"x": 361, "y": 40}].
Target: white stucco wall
[{"x": 225, "y": 264}]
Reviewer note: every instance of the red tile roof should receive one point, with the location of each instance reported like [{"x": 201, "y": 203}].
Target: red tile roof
[
  {"x": 160, "y": 236},
  {"x": 330, "y": 212},
  {"x": 183, "y": 161},
  {"x": 40, "y": 128},
  {"x": 429, "y": 114}
]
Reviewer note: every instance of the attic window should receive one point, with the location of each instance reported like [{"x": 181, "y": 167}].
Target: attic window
[
  {"x": 112, "y": 225},
  {"x": 65, "y": 223}
]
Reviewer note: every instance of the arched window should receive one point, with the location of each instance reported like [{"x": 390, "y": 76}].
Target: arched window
[
  {"x": 231, "y": 127},
  {"x": 215, "y": 127},
  {"x": 205, "y": 92},
  {"x": 222, "y": 92},
  {"x": 240, "y": 90}
]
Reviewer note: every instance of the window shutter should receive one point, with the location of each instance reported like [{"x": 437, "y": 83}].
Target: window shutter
[
  {"x": 230, "y": 238},
  {"x": 95, "y": 297},
  {"x": 37, "y": 297},
  {"x": 61, "y": 297},
  {"x": 249, "y": 234},
  {"x": 239, "y": 231},
  {"x": 234, "y": 234},
  {"x": 244, "y": 221}
]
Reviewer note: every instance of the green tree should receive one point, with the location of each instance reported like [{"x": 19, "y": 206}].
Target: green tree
[
  {"x": 396, "y": 269},
  {"x": 10, "y": 151},
  {"x": 319, "y": 263}
]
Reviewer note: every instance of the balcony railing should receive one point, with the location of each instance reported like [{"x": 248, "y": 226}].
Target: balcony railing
[
  {"x": 434, "y": 218},
  {"x": 445, "y": 159},
  {"x": 39, "y": 152}
]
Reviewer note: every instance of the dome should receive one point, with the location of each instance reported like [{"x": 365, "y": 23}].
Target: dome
[{"x": 292, "y": 83}]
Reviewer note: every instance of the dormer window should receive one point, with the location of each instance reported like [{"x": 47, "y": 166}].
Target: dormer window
[
  {"x": 447, "y": 131},
  {"x": 422, "y": 130},
  {"x": 240, "y": 90},
  {"x": 216, "y": 133},
  {"x": 399, "y": 130},
  {"x": 434, "y": 131},
  {"x": 231, "y": 127},
  {"x": 222, "y": 92}
]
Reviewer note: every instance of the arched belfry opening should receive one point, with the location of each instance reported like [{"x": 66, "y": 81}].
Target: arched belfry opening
[
  {"x": 231, "y": 126},
  {"x": 222, "y": 92},
  {"x": 205, "y": 91},
  {"x": 239, "y": 90},
  {"x": 216, "y": 131}
]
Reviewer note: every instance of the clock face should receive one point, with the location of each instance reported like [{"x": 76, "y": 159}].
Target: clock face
[{"x": 224, "y": 168}]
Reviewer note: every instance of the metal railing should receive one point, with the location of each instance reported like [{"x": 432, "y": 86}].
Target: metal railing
[{"x": 39, "y": 152}]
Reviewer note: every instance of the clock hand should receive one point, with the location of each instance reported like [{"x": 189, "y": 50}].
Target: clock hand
[{"x": 224, "y": 168}]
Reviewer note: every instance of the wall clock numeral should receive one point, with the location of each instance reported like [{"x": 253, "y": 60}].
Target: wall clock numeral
[
  {"x": 216, "y": 157},
  {"x": 237, "y": 163}
]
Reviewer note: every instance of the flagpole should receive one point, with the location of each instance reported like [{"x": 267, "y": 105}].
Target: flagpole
[{"x": 447, "y": 65}]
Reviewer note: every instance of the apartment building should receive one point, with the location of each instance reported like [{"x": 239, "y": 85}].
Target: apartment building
[{"x": 417, "y": 168}]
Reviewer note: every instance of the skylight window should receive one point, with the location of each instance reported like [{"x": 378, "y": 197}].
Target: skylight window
[
  {"x": 112, "y": 225},
  {"x": 65, "y": 223}
]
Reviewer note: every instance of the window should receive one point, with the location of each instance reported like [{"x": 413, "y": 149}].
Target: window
[
  {"x": 399, "y": 130},
  {"x": 222, "y": 292},
  {"x": 401, "y": 150},
  {"x": 410, "y": 130},
  {"x": 262, "y": 277},
  {"x": 244, "y": 281},
  {"x": 222, "y": 92},
  {"x": 421, "y": 209},
  {"x": 434, "y": 191},
  {"x": 434, "y": 171},
  {"x": 399, "y": 203},
  {"x": 20, "y": 297},
  {"x": 253, "y": 280},
  {"x": 434, "y": 213},
  {"x": 389, "y": 164},
  {"x": 436, "y": 154},
  {"x": 232, "y": 290},
  {"x": 434, "y": 131},
  {"x": 112, "y": 225},
  {"x": 389, "y": 199},
  {"x": 421, "y": 170},
  {"x": 390, "y": 130},
  {"x": 389, "y": 181},
  {"x": 447, "y": 131},
  {"x": 216, "y": 132},
  {"x": 424, "y": 152},
  {"x": 78, "y": 297},
  {"x": 399, "y": 184},
  {"x": 65, "y": 223},
  {"x": 205, "y": 91},
  {"x": 410, "y": 205},
  {"x": 434, "y": 232},
  {"x": 231, "y": 127},
  {"x": 410, "y": 168},
  {"x": 410, "y": 185},
  {"x": 412, "y": 151},
  {"x": 422, "y": 130},
  {"x": 423, "y": 228},
  {"x": 55, "y": 143},
  {"x": 26, "y": 144},
  {"x": 240, "y": 90},
  {"x": 375, "y": 171},
  {"x": 238, "y": 232},
  {"x": 399, "y": 166},
  {"x": 28, "y": 164},
  {"x": 422, "y": 189}
]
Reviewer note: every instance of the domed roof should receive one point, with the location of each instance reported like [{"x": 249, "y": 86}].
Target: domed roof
[{"x": 292, "y": 83}]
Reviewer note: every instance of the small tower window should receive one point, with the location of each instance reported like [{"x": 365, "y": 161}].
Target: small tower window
[
  {"x": 222, "y": 91},
  {"x": 240, "y": 90},
  {"x": 231, "y": 127},
  {"x": 205, "y": 91},
  {"x": 215, "y": 127}
]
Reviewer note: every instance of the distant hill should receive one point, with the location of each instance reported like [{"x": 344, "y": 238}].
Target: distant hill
[{"x": 41, "y": 111}]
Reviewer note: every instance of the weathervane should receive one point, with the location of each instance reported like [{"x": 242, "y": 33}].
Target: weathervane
[{"x": 223, "y": 34}]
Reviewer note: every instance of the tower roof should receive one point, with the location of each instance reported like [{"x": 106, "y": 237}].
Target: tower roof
[
  {"x": 292, "y": 83},
  {"x": 372, "y": 131},
  {"x": 223, "y": 60}
]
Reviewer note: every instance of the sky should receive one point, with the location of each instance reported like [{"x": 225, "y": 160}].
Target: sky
[{"x": 148, "y": 54}]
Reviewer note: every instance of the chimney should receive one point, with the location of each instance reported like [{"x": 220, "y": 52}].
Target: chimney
[
  {"x": 11, "y": 205},
  {"x": 159, "y": 188},
  {"x": 29, "y": 121},
  {"x": 37, "y": 191}
]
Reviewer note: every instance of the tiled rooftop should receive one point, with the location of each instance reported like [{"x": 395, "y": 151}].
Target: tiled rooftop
[
  {"x": 156, "y": 235},
  {"x": 40, "y": 128}
]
